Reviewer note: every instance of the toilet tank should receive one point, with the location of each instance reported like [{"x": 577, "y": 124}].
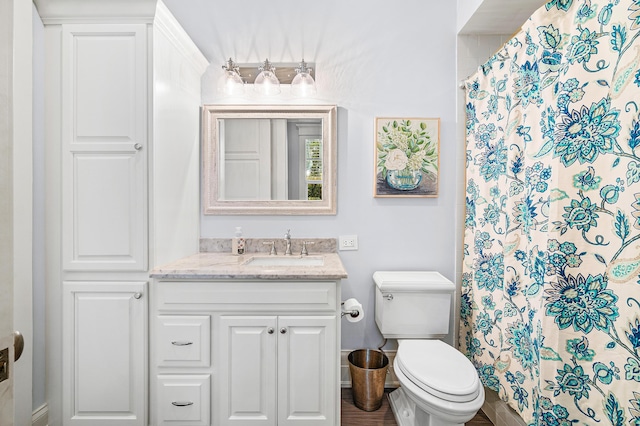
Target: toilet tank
[{"x": 413, "y": 304}]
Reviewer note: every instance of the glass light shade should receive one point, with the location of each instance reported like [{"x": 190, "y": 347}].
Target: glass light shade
[
  {"x": 303, "y": 85},
  {"x": 230, "y": 83},
  {"x": 267, "y": 83}
]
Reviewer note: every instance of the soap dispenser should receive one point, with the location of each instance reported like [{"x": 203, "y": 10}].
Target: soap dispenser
[{"x": 237, "y": 242}]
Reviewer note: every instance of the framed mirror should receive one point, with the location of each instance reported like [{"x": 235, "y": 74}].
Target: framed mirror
[{"x": 268, "y": 159}]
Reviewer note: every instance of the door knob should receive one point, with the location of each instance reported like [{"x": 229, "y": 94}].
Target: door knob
[
  {"x": 137, "y": 146},
  {"x": 18, "y": 345},
  {"x": 270, "y": 330},
  {"x": 283, "y": 330}
]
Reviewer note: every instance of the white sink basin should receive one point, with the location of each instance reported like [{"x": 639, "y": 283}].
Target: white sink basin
[{"x": 286, "y": 261}]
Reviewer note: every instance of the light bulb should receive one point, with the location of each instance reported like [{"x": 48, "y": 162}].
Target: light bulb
[
  {"x": 303, "y": 84},
  {"x": 230, "y": 83},
  {"x": 266, "y": 82}
]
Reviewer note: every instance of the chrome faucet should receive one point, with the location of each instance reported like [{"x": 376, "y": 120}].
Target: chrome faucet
[
  {"x": 273, "y": 251},
  {"x": 304, "y": 251},
  {"x": 287, "y": 239}
]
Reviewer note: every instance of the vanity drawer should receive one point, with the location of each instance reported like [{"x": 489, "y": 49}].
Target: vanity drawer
[
  {"x": 283, "y": 296},
  {"x": 184, "y": 399},
  {"x": 184, "y": 341}
]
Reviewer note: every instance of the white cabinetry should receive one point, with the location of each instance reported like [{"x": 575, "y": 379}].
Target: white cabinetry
[
  {"x": 105, "y": 352},
  {"x": 277, "y": 370},
  {"x": 274, "y": 350},
  {"x": 122, "y": 98},
  {"x": 104, "y": 152}
]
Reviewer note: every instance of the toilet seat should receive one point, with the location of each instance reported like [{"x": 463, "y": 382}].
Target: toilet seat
[{"x": 438, "y": 369}]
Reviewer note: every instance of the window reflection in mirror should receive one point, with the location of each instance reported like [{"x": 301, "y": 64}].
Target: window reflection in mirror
[{"x": 269, "y": 159}]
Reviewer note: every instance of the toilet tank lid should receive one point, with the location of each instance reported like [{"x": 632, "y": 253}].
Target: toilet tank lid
[{"x": 412, "y": 281}]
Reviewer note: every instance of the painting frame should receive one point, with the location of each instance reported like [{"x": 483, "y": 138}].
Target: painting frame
[{"x": 406, "y": 157}]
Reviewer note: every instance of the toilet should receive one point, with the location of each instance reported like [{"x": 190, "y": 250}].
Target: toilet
[{"x": 438, "y": 385}]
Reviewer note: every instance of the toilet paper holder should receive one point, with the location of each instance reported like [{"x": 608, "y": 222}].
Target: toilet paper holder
[{"x": 354, "y": 313}]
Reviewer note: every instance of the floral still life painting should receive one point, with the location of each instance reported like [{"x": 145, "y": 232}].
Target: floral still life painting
[{"x": 407, "y": 157}]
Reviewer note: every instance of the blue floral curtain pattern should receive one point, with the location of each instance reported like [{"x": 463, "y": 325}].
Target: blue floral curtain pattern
[{"x": 551, "y": 276}]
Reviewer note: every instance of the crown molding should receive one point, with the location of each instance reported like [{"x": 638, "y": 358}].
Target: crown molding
[{"x": 87, "y": 11}]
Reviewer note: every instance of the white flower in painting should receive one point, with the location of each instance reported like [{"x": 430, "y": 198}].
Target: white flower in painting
[
  {"x": 399, "y": 139},
  {"x": 415, "y": 162},
  {"x": 396, "y": 160}
]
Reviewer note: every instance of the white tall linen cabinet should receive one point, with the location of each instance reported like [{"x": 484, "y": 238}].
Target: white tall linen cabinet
[{"x": 122, "y": 97}]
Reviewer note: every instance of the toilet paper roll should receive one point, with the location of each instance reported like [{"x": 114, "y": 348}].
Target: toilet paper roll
[{"x": 350, "y": 307}]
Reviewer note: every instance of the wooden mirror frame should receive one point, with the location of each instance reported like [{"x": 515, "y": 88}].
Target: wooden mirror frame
[{"x": 212, "y": 205}]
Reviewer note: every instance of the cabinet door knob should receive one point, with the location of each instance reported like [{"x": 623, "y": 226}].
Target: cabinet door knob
[
  {"x": 388, "y": 296},
  {"x": 137, "y": 295},
  {"x": 178, "y": 343},
  {"x": 182, "y": 403},
  {"x": 137, "y": 146},
  {"x": 283, "y": 330},
  {"x": 270, "y": 330}
]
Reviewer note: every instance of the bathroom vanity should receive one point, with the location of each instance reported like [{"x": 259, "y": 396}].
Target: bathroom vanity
[{"x": 250, "y": 339}]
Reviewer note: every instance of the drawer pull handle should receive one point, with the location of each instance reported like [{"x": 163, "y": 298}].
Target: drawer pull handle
[
  {"x": 182, "y": 403},
  {"x": 177, "y": 343}
]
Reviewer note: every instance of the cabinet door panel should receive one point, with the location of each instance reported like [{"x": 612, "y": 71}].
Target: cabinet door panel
[
  {"x": 105, "y": 213},
  {"x": 307, "y": 382},
  {"x": 104, "y": 142},
  {"x": 247, "y": 370},
  {"x": 104, "y": 334}
]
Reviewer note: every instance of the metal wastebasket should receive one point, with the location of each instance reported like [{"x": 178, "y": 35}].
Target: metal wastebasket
[{"x": 368, "y": 370}]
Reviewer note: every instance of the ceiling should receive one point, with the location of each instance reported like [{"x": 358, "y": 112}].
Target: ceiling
[{"x": 209, "y": 22}]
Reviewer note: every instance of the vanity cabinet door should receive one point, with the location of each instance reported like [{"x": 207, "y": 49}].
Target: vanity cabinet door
[
  {"x": 104, "y": 353},
  {"x": 247, "y": 381},
  {"x": 278, "y": 370},
  {"x": 307, "y": 370}
]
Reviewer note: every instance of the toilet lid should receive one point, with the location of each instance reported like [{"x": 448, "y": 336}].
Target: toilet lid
[{"x": 438, "y": 369}]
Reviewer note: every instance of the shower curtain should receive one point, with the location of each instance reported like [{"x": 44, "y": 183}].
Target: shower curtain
[{"x": 550, "y": 303}]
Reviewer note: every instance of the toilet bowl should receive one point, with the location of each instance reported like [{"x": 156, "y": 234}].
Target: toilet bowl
[{"x": 439, "y": 386}]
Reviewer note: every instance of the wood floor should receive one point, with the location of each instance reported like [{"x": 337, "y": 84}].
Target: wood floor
[{"x": 353, "y": 416}]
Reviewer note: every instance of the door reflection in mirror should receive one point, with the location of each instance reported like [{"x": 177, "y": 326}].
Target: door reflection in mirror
[{"x": 270, "y": 159}]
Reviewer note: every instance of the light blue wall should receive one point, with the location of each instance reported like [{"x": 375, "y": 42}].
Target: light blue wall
[{"x": 373, "y": 59}]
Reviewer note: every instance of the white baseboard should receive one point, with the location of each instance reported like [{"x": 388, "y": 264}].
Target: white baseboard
[
  {"x": 345, "y": 378},
  {"x": 40, "y": 416}
]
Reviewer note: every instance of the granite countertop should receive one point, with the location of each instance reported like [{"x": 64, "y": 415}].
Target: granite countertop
[{"x": 224, "y": 265}]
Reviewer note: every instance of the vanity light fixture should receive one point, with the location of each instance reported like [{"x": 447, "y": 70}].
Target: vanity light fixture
[
  {"x": 266, "y": 79},
  {"x": 230, "y": 83},
  {"x": 266, "y": 82},
  {"x": 303, "y": 84}
]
